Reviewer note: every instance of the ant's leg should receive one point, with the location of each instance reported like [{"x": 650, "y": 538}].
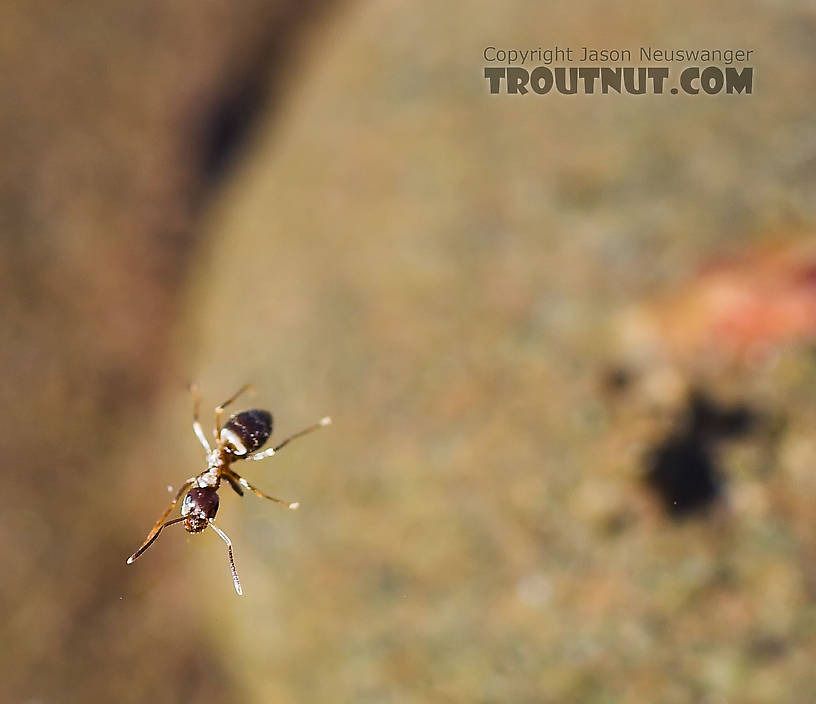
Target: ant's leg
[
  {"x": 159, "y": 524},
  {"x": 233, "y": 482},
  {"x": 272, "y": 450},
  {"x": 244, "y": 483},
  {"x": 148, "y": 543},
  {"x": 196, "y": 423},
  {"x": 220, "y": 408},
  {"x": 235, "y": 580}
]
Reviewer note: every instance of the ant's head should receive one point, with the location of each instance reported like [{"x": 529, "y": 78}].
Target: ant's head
[
  {"x": 198, "y": 510},
  {"x": 199, "y": 507}
]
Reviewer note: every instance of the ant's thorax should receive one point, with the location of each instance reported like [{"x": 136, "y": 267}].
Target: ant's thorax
[{"x": 217, "y": 460}]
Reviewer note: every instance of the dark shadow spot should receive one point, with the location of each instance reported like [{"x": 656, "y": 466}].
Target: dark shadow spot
[
  {"x": 683, "y": 469},
  {"x": 617, "y": 523},
  {"x": 225, "y": 120},
  {"x": 684, "y": 476},
  {"x": 616, "y": 379},
  {"x": 712, "y": 421},
  {"x": 228, "y": 122},
  {"x": 767, "y": 648}
]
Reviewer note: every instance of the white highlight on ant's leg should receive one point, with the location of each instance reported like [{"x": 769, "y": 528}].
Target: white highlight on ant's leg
[
  {"x": 255, "y": 490},
  {"x": 244, "y": 483},
  {"x": 202, "y": 438},
  {"x": 235, "y": 580},
  {"x": 273, "y": 450},
  {"x": 197, "y": 429},
  {"x": 262, "y": 455},
  {"x": 152, "y": 538}
]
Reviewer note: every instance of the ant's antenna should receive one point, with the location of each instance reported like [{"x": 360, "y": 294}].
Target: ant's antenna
[
  {"x": 153, "y": 539},
  {"x": 235, "y": 580}
]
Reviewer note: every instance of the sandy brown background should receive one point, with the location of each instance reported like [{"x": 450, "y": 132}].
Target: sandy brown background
[{"x": 327, "y": 203}]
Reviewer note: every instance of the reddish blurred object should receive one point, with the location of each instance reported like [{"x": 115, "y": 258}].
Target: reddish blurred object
[{"x": 738, "y": 310}]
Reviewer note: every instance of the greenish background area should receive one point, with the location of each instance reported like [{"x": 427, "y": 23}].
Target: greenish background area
[{"x": 441, "y": 271}]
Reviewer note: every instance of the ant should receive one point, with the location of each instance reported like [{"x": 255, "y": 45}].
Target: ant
[{"x": 241, "y": 437}]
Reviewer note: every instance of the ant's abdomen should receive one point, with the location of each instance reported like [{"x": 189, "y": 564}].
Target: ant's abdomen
[{"x": 247, "y": 431}]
